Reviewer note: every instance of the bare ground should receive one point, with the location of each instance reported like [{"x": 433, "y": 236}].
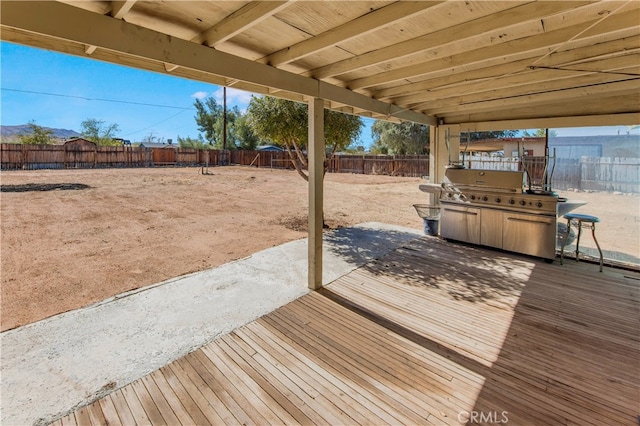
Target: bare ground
[{"x": 74, "y": 237}]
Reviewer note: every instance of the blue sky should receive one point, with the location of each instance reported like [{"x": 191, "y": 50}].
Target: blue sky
[{"x": 32, "y": 78}]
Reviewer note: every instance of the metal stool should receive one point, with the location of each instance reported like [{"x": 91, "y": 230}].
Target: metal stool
[{"x": 580, "y": 221}]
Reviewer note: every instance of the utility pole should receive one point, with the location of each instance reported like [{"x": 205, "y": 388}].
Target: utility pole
[{"x": 224, "y": 118}]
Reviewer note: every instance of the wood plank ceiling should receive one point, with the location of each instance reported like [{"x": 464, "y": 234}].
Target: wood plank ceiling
[{"x": 451, "y": 61}]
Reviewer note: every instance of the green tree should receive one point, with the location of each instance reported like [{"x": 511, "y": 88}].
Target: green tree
[
  {"x": 478, "y": 136},
  {"x": 38, "y": 135},
  {"x": 189, "y": 142},
  {"x": 354, "y": 149},
  {"x": 209, "y": 118},
  {"x": 402, "y": 139},
  {"x": 285, "y": 123},
  {"x": 97, "y": 131},
  {"x": 539, "y": 133},
  {"x": 151, "y": 138},
  {"x": 242, "y": 133}
]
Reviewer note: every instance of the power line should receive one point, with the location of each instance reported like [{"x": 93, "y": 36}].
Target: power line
[
  {"x": 153, "y": 125},
  {"x": 97, "y": 99}
]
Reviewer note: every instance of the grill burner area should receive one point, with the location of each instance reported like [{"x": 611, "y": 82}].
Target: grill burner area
[{"x": 522, "y": 202}]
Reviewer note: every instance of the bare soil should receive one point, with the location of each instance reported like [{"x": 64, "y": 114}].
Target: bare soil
[{"x": 71, "y": 238}]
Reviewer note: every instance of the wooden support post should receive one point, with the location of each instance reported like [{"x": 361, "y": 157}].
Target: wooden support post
[{"x": 316, "y": 171}]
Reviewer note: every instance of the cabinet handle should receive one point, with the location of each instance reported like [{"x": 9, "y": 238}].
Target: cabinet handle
[
  {"x": 462, "y": 212},
  {"x": 515, "y": 219}
]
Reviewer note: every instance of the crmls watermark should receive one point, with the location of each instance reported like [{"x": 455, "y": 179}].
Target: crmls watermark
[{"x": 470, "y": 417}]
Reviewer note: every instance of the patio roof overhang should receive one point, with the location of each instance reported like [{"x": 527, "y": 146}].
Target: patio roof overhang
[
  {"x": 447, "y": 62},
  {"x": 472, "y": 65}
]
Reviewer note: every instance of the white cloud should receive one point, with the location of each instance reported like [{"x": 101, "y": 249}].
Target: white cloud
[
  {"x": 199, "y": 95},
  {"x": 235, "y": 97}
]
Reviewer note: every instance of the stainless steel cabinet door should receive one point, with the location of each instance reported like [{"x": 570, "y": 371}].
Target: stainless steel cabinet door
[
  {"x": 491, "y": 228},
  {"x": 460, "y": 223},
  {"x": 529, "y": 234}
]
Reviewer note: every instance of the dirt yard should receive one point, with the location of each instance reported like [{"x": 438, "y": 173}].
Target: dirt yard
[{"x": 74, "y": 237}]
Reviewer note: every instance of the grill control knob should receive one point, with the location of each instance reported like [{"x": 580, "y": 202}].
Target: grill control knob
[
  {"x": 485, "y": 198},
  {"x": 539, "y": 204},
  {"x": 473, "y": 197},
  {"x": 522, "y": 202},
  {"x": 512, "y": 201},
  {"x": 498, "y": 200}
]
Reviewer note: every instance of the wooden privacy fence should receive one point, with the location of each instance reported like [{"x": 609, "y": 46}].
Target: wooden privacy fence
[
  {"x": 33, "y": 157},
  {"x": 586, "y": 173},
  {"x": 392, "y": 165}
]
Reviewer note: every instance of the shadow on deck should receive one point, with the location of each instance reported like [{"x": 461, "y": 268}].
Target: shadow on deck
[{"x": 432, "y": 333}]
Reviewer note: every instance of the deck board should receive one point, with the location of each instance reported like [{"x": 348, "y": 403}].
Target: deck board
[
  {"x": 428, "y": 332},
  {"x": 109, "y": 412},
  {"x": 121, "y": 406}
]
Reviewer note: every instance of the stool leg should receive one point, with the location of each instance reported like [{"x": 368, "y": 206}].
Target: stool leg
[
  {"x": 593, "y": 232},
  {"x": 564, "y": 241},
  {"x": 578, "y": 240}
]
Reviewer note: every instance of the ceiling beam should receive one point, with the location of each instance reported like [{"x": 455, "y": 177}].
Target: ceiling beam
[
  {"x": 247, "y": 16},
  {"x": 617, "y": 66},
  {"x": 121, "y": 8},
  {"x": 614, "y": 105},
  {"x": 473, "y": 28},
  {"x": 377, "y": 19},
  {"x": 101, "y": 7},
  {"x": 80, "y": 27},
  {"x": 622, "y": 87},
  {"x": 456, "y": 77},
  {"x": 503, "y": 51},
  {"x": 538, "y": 85},
  {"x": 624, "y": 119}
]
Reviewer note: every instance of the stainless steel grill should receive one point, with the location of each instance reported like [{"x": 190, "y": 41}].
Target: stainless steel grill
[{"x": 489, "y": 207}]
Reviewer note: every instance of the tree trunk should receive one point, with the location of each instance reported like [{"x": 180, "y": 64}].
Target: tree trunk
[{"x": 296, "y": 163}]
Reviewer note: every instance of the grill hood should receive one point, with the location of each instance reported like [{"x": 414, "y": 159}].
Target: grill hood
[{"x": 485, "y": 179}]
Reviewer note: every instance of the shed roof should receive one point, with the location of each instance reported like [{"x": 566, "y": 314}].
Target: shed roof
[
  {"x": 157, "y": 145},
  {"x": 74, "y": 141}
]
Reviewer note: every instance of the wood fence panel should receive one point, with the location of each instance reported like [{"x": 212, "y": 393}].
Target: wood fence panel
[
  {"x": 213, "y": 157},
  {"x": 11, "y": 156},
  {"x": 280, "y": 160},
  {"x": 406, "y": 165},
  {"x": 43, "y": 157},
  {"x": 347, "y": 164},
  {"x": 186, "y": 157},
  {"x": 79, "y": 157},
  {"x": 140, "y": 157},
  {"x": 114, "y": 156},
  {"x": 164, "y": 156}
]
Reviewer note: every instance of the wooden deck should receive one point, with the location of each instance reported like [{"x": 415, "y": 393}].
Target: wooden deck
[{"x": 433, "y": 333}]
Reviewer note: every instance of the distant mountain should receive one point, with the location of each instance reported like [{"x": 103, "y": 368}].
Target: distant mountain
[{"x": 12, "y": 132}]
